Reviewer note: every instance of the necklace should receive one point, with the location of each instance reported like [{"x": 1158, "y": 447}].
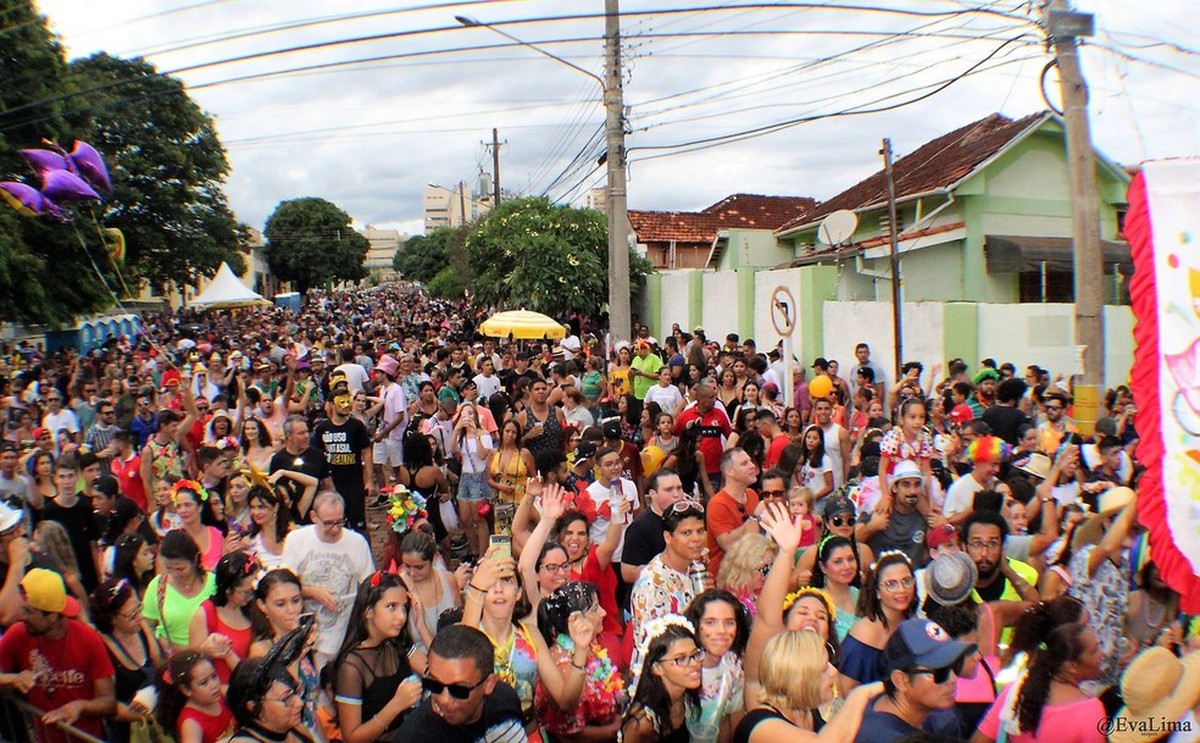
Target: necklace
[
  {"x": 504, "y": 656},
  {"x": 52, "y": 671}
]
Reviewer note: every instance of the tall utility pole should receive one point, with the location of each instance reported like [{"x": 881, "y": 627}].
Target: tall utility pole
[
  {"x": 894, "y": 239},
  {"x": 495, "y": 168},
  {"x": 1063, "y": 26},
  {"x": 619, "y": 317}
]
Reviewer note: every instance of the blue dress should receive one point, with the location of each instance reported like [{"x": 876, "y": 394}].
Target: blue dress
[{"x": 860, "y": 661}]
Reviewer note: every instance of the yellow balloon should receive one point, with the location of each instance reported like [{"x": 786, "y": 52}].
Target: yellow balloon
[{"x": 821, "y": 386}]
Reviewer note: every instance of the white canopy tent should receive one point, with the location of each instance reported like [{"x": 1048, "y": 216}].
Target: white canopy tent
[{"x": 226, "y": 292}]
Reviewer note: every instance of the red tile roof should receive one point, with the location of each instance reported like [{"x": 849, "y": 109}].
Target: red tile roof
[
  {"x": 936, "y": 164},
  {"x": 738, "y": 210}
]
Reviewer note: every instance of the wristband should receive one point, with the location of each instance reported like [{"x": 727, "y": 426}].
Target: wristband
[
  {"x": 477, "y": 588},
  {"x": 581, "y": 669}
]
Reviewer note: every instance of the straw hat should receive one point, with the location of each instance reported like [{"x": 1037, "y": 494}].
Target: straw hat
[
  {"x": 1111, "y": 503},
  {"x": 1156, "y": 687},
  {"x": 1037, "y": 465},
  {"x": 952, "y": 578}
]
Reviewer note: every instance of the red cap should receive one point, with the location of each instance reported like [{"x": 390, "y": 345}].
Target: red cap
[{"x": 939, "y": 535}]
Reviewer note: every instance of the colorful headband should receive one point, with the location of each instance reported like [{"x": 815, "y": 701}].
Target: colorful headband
[
  {"x": 191, "y": 485},
  {"x": 889, "y": 553},
  {"x": 375, "y": 579},
  {"x": 821, "y": 544},
  {"x": 803, "y": 591}
]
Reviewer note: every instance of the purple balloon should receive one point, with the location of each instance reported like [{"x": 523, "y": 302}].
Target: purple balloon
[
  {"x": 27, "y": 200},
  {"x": 91, "y": 166},
  {"x": 44, "y": 161},
  {"x": 59, "y": 185}
]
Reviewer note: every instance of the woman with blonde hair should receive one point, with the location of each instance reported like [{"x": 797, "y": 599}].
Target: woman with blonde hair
[
  {"x": 745, "y": 568},
  {"x": 51, "y": 538},
  {"x": 798, "y": 676}
]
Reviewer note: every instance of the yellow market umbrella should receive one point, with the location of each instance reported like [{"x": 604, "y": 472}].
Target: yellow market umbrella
[{"x": 522, "y": 324}]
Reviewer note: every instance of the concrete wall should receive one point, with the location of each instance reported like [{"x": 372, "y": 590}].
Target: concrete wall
[
  {"x": 676, "y": 302},
  {"x": 720, "y": 312},
  {"x": 1042, "y": 334}
]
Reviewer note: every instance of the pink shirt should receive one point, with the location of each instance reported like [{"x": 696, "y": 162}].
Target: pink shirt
[{"x": 1076, "y": 722}]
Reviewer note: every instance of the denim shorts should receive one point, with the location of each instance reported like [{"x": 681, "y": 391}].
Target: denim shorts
[{"x": 473, "y": 486}]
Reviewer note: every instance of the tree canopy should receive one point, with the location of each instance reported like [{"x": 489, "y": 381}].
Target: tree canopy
[
  {"x": 550, "y": 258},
  {"x": 421, "y": 257},
  {"x": 310, "y": 242},
  {"x": 168, "y": 168}
]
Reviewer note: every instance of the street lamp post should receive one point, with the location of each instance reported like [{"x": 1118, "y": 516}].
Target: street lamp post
[{"x": 620, "y": 320}]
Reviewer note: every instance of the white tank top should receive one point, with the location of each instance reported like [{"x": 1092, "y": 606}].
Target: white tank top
[{"x": 833, "y": 447}]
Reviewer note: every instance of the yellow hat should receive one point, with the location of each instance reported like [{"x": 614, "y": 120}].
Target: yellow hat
[{"x": 46, "y": 591}]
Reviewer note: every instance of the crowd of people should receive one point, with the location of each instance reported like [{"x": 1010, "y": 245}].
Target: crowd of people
[{"x": 365, "y": 521}]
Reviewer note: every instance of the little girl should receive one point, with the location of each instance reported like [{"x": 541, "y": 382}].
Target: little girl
[
  {"x": 164, "y": 519},
  {"x": 909, "y": 441},
  {"x": 190, "y": 701},
  {"x": 801, "y": 504}
]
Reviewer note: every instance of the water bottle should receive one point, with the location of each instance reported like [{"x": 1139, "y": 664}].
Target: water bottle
[{"x": 698, "y": 574}]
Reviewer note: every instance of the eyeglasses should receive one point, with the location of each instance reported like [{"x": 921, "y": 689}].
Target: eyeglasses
[
  {"x": 457, "y": 691},
  {"x": 684, "y": 661},
  {"x": 990, "y": 546},
  {"x": 842, "y": 521},
  {"x": 939, "y": 675},
  {"x": 288, "y": 697},
  {"x": 687, "y": 505},
  {"x": 335, "y": 524},
  {"x": 134, "y": 615},
  {"x": 896, "y": 584},
  {"x": 564, "y": 567}
]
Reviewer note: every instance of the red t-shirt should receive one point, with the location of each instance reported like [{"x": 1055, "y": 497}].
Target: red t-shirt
[
  {"x": 713, "y": 425},
  {"x": 213, "y": 727},
  {"x": 129, "y": 474},
  {"x": 66, "y": 670},
  {"x": 723, "y": 516},
  {"x": 775, "y": 451}
]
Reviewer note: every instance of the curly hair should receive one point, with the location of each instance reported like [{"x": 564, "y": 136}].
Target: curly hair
[{"x": 742, "y": 562}]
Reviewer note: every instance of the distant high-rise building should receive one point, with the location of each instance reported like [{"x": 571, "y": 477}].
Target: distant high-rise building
[
  {"x": 384, "y": 244},
  {"x": 597, "y": 199},
  {"x": 445, "y": 207}
]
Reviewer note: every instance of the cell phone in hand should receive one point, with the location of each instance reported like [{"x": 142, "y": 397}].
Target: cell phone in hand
[{"x": 503, "y": 543}]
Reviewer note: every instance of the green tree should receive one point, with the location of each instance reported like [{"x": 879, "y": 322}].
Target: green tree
[
  {"x": 422, "y": 256},
  {"x": 446, "y": 285},
  {"x": 545, "y": 257},
  {"x": 168, "y": 167},
  {"x": 47, "y": 273},
  {"x": 310, "y": 242}
]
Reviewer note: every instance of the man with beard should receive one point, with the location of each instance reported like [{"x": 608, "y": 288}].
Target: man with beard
[
  {"x": 903, "y": 527},
  {"x": 1000, "y": 578},
  {"x": 58, "y": 662},
  {"x": 347, "y": 447},
  {"x": 985, "y": 381}
]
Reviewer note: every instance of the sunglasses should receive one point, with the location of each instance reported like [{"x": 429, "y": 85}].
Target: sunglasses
[
  {"x": 842, "y": 521},
  {"x": 773, "y": 493},
  {"x": 939, "y": 675},
  {"x": 763, "y": 570},
  {"x": 688, "y": 505},
  {"x": 457, "y": 691}
]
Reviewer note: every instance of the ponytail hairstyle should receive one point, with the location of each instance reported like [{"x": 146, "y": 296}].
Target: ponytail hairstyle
[
  {"x": 177, "y": 544},
  {"x": 1040, "y": 619},
  {"x": 231, "y": 570},
  {"x": 172, "y": 679},
  {"x": 1063, "y": 644},
  {"x": 825, "y": 548}
]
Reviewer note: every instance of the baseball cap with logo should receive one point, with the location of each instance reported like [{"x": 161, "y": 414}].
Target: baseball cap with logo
[
  {"x": 45, "y": 591},
  {"x": 922, "y": 644}
]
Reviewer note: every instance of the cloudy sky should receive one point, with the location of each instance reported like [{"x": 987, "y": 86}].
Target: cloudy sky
[{"x": 364, "y": 103}]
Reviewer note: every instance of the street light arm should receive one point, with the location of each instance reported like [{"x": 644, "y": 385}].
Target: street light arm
[{"x": 472, "y": 23}]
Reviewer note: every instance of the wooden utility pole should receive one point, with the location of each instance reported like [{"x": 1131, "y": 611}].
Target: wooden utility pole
[
  {"x": 620, "y": 318},
  {"x": 1063, "y": 27},
  {"x": 894, "y": 240}
]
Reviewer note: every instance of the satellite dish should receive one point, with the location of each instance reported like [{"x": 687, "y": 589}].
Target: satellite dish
[{"x": 836, "y": 228}]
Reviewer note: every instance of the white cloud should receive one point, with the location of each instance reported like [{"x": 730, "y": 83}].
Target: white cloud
[{"x": 370, "y": 138}]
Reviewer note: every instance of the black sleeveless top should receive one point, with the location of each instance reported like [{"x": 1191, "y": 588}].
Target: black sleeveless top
[
  {"x": 379, "y": 686},
  {"x": 752, "y": 718}
]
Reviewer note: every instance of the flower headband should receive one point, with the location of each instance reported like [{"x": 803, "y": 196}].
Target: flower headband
[
  {"x": 658, "y": 626},
  {"x": 407, "y": 507},
  {"x": 803, "y": 591},
  {"x": 191, "y": 485}
]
